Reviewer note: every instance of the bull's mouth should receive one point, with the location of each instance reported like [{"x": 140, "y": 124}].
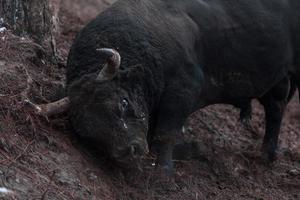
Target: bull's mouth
[
  {"x": 130, "y": 156},
  {"x": 127, "y": 161}
]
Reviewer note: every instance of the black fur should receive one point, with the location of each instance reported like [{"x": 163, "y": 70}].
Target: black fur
[{"x": 179, "y": 56}]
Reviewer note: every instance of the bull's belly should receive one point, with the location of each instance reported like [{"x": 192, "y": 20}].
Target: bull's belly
[
  {"x": 223, "y": 87},
  {"x": 240, "y": 85},
  {"x": 241, "y": 69}
]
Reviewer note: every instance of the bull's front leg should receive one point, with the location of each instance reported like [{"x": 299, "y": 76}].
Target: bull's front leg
[
  {"x": 165, "y": 153},
  {"x": 168, "y": 132}
]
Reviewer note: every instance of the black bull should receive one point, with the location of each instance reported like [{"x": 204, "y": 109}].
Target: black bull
[{"x": 142, "y": 67}]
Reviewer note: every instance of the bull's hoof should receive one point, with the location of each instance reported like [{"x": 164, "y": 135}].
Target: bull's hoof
[
  {"x": 166, "y": 179},
  {"x": 270, "y": 156},
  {"x": 165, "y": 171}
]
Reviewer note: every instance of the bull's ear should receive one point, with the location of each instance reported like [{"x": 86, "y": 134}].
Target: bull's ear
[{"x": 112, "y": 65}]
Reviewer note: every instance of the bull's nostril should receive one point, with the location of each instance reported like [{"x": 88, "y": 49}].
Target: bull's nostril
[
  {"x": 138, "y": 149},
  {"x": 134, "y": 150}
]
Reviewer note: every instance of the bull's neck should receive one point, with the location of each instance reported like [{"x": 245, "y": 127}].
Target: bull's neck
[
  {"x": 142, "y": 84},
  {"x": 151, "y": 87}
]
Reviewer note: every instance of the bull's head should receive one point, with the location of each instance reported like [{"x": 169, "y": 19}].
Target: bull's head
[
  {"x": 107, "y": 109},
  {"x": 110, "y": 110}
]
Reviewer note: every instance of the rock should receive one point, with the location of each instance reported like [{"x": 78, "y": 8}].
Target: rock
[
  {"x": 92, "y": 176},
  {"x": 293, "y": 172},
  {"x": 2, "y": 63},
  {"x": 65, "y": 178}
]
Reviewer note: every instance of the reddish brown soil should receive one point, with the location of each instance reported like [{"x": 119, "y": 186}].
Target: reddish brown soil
[{"x": 41, "y": 159}]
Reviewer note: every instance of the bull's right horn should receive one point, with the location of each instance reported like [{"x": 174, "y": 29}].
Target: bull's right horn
[
  {"x": 50, "y": 109},
  {"x": 111, "y": 67}
]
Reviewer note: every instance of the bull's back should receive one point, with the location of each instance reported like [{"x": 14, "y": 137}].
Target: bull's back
[
  {"x": 156, "y": 34},
  {"x": 237, "y": 44},
  {"x": 247, "y": 45}
]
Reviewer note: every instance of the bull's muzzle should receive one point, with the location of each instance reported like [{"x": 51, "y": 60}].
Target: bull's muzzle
[
  {"x": 138, "y": 150},
  {"x": 131, "y": 154}
]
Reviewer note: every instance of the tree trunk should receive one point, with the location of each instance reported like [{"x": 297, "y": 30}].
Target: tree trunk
[
  {"x": 27, "y": 17},
  {"x": 32, "y": 18}
]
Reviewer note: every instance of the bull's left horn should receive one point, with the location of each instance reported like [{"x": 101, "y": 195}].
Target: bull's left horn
[
  {"x": 111, "y": 67},
  {"x": 50, "y": 109}
]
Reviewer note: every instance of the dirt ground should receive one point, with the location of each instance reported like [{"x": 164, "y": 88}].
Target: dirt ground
[{"x": 42, "y": 159}]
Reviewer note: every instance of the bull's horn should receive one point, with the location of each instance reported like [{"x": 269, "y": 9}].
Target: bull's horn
[
  {"x": 111, "y": 67},
  {"x": 50, "y": 109}
]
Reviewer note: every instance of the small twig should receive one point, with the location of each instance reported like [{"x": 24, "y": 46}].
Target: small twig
[
  {"x": 5, "y": 155},
  {"x": 41, "y": 94},
  {"x": 244, "y": 158},
  {"x": 208, "y": 127},
  {"x": 21, "y": 154},
  {"x": 48, "y": 186},
  {"x": 95, "y": 190},
  {"x": 32, "y": 122},
  {"x": 29, "y": 81}
]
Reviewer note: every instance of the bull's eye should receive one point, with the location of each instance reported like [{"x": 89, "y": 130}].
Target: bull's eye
[{"x": 124, "y": 105}]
